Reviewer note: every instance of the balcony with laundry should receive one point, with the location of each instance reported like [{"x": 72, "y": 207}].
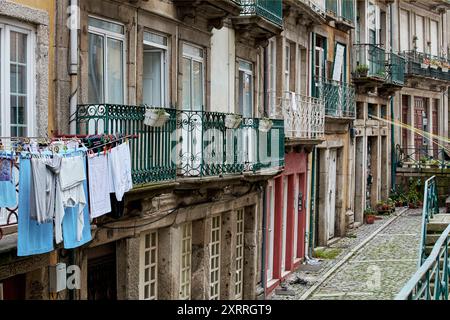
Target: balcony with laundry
[
  {"x": 175, "y": 145},
  {"x": 342, "y": 13},
  {"x": 259, "y": 19},
  {"x": 214, "y": 11},
  {"x": 304, "y": 117}
]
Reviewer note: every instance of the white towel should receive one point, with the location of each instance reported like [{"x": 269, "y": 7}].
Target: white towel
[{"x": 98, "y": 172}]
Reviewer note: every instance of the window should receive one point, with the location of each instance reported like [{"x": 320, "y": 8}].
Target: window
[
  {"x": 154, "y": 78},
  {"x": 185, "y": 264},
  {"x": 106, "y": 62},
  {"x": 404, "y": 27},
  {"x": 246, "y": 88},
  {"x": 270, "y": 229},
  {"x": 214, "y": 259},
  {"x": 287, "y": 67},
  {"x": 148, "y": 269},
  {"x": 419, "y": 33},
  {"x": 16, "y": 79},
  {"x": 272, "y": 75},
  {"x": 434, "y": 39},
  {"x": 192, "y": 68},
  {"x": 238, "y": 281}
]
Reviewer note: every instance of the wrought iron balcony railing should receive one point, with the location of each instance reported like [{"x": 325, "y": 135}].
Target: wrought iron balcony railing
[
  {"x": 272, "y": 10},
  {"x": 396, "y": 69},
  {"x": 426, "y": 65},
  {"x": 421, "y": 157},
  {"x": 189, "y": 144},
  {"x": 304, "y": 116},
  {"x": 344, "y": 9},
  {"x": 370, "y": 61},
  {"x": 431, "y": 280},
  {"x": 339, "y": 98}
]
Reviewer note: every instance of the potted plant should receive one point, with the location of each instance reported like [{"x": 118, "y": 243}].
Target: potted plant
[
  {"x": 265, "y": 124},
  {"x": 155, "y": 117},
  {"x": 369, "y": 215},
  {"x": 233, "y": 121},
  {"x": 434, "y": 64},
  {"x": 362, "y": 70},
  {"x": 425, "y": 63}
]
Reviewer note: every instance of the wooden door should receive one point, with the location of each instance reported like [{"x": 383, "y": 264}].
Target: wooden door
[
  {"x": 405, "y": 120},
  {"x": 331, "y": 195},
  {"x": 435, "y": 128},
  {"x": 419, "y": 114}
]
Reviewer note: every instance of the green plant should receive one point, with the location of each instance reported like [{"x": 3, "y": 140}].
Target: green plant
[
  {"x": 362, "y": 68},
  {"x": 369, "y": 211}
]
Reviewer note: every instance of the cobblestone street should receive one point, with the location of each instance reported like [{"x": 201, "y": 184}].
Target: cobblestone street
[{"x": 376, "y": 270}]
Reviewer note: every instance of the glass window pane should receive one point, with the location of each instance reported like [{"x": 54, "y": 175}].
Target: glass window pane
[
  {"x": 96, "y": 69},
  {"x": 115, "y": 72},
  {"x": 153, "y": 78},
  {"x": 106, "y": 25},
  {"x": 155, "y": 38},
  {"x": 197, "y": 85},
  {"x": 192, "y": 51},
  {"x": 245, "y": 94},
  {"x": 243, "y": 65},
  {"x": 186, "y": 84}
]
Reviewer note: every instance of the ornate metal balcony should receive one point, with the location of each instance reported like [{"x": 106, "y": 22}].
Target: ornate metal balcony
[
  {"x": 369, "y": 68},
  {"x": 308, "y": 11},
  {"x": 342, "y": 12},
  {"x": 424, "y": 65},
  {"x": 189, "y": 144},
  {"x": 304, "y": 116},
  {"x": 260, "y": 19},
  {"x": 215, "y": 11},
  {"x": 339, "y": 98}
]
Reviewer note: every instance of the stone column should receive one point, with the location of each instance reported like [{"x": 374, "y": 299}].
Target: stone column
[
  {"x": 128, "y": 273},
  {"x": 169, "y": 255},
  {"x": 228, "y": 255},
  {"x": 200, "y": 259},
  {"x": 250, "y": 276}
]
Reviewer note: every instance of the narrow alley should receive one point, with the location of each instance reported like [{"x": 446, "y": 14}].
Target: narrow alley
[{"x": 373, "y": 262}]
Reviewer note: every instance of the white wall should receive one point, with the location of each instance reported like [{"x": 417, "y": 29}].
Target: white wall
[{"x": 223, "y": 57}]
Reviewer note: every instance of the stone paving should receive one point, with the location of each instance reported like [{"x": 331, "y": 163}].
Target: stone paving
[{"x": 378, "y": 270}]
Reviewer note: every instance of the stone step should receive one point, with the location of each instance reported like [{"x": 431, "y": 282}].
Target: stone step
[
  {"x": 435, "y": 227},
  {"x": 428, "y": 250}
]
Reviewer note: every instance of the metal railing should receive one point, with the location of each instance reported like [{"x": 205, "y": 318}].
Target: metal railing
[
  {"x": 373, "y": 58},
  {"x": 396, "y": 69},
  {"x": 421, "y": 157},
  {"x": 426, "y": 65},
  {"x": 271, "y": 10},
  {"x": 431, "y": 280},
  {"x": 344, "y": 9},
  {"x": 430, "y": 208},
  {"x": 339, "y": 98},
  {"x": 315, "y": 6},
  {"x": 304, "y": 116},
  {"x": 189, "y": 144}
]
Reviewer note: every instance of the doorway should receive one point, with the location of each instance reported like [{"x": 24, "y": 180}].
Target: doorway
[{"x": 102, "y": 281}]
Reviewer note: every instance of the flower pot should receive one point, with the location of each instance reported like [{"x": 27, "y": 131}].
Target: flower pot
[
  {"x": 444, "y": 69},
  {"x": 424, "y": 66},
  {"x": 232, "y": 121},
  {"x": 434, "y": 67},
  {"x": 370, "y": 219},
  {"x": 155, "y": 118},
  {"x": 265, "y": 125}
]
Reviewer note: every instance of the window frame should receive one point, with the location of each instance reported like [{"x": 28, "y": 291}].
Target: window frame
[
  {"x": 217, "y": 256},
  {"x": 164, "y": 49},
  {"x": 183, "y": 253},
  {"x": 143, "y": 266},
  {"x": 239, "y": 258},
  {"x": 191, "y": 59},
  {"x": 106, "y": 34},
  {"x": 249, "y": 72}
]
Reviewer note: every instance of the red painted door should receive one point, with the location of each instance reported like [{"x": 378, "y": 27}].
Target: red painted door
[
  {"x": 301, "y": 213},
  {"x": 419, "y": 112},
  {"x": 405, "y": 121},
  {"x": 434, "y": 114}
]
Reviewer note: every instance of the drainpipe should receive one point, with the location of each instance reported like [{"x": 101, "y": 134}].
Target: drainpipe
[
  {"x": 264, "y": 241},
  {"x": 73, "y": 68},
  {"x": 312, "y": 203},
  {"x": 393, "y": 160}
]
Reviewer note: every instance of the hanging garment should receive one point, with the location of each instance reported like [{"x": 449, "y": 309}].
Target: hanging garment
[
  {"x": 39, "y": 188},
  {"x": 117, "y": 207},
  {"x": 71, "y": 178},
  {"x": 33, "y": 238},
  {"x": 110, "y": 173},
  {"x": 72, "y": 237},
  {"x": 121, "y": 169},
  {"x": 98, "y": 174},
  {"x": 8, "y": 197}
]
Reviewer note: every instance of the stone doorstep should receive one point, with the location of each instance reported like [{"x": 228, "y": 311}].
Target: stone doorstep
[
  {"x": 310, "y": 267},
  {"x": 285, "y": 292}
]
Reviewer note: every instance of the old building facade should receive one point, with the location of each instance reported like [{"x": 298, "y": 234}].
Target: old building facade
[{"x": 279, "y": 131}]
